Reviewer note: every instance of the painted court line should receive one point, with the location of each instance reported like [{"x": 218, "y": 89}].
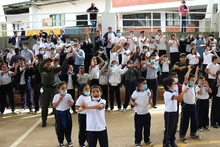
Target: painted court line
[{"x": 25, "y": 134}]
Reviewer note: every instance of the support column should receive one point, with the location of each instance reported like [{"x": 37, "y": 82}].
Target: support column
[
  {"x": 209, "y": 8},
  {"x": 163, "y": 22},
  {"x": 2, "y": 19},
  {"x": 108, "y": 19}
]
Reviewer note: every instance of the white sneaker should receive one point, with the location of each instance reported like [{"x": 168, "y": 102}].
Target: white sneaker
[
  {"x": 133, "y": 109},
  {"x": 124, "y": 110},
  {"x": 22, "y": 110}
]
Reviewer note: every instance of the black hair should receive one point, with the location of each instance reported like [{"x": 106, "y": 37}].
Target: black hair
[
  {"x": 197, "y": 37},
  {"x": 193, "y": 49},
  {"x": 172, "y": 35},
  {"x": 39, "y": 56},
  {"x": 152, "y": 55},
  {"x": 191, "y": 76},
  {"x": 126, "y": 43},
  {"x": 130, "y": 62},
  {"x": 60, "y": 84},
  {"x": 83, "y": 86},
  {"x": 142, "y": 32},
  {"x": 68, "y": 66},
  {"x": 17, "y": 50},
  {"x": 172, "y": 74},
  {"x": 140, "y": 80},
  {"x": 156, "y": 50},
  {"x": 21, "y": 58},
  {"x": 167, "y": 82},
  {"x": 159, "y": 30},
  {"x": 214, "y": 58},
  {"x": 118, "y": 31},
  {"x": 96, "y": 86},
  {"x": 201, "y": 77}
]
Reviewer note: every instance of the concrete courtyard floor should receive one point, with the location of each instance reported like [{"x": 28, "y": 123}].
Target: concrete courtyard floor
[{"x": 24, "y": 130}]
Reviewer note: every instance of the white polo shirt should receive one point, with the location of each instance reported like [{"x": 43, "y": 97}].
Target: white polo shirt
[
  {"x": 193, "y": 59},
  {"x": 213, "y": 68},
  {"x": 63, "y": 105},
  {"x": 6, "y": 78},
  {"x": 143, "y": 44},
  {"x": 132, "y": 44},
  {"x": 174, "y": 47},
  {"x": 95, "y": 72},
  {"x": 82, "y": 99},
  {"x": 205, "y": 93},
  {"x": 95, "y": 119},
  {"x": 207, "y": 58},
  {"x": 162, "y": 44},
  {"x": 70, "y": 82},
  {"x": 189, "y": 97},
  {"x": 142, "y": 99},
  {"x": 113, "y": 56},
  {"x": 170, "y": 102}
]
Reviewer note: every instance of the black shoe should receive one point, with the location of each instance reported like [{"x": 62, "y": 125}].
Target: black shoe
[
  {"x": 70, "y": 144},
  {"x": 215, "y": 126},
  {"x": 155, "y": 106},
  {"x": 44, "y": 124},
  {"x": 168, "y": 145},
  {"x": 52, "y": 113},
  {"x": 174, "y": 144}
]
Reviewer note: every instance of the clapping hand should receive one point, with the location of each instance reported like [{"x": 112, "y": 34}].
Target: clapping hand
[{"x": 69, "y": 55}]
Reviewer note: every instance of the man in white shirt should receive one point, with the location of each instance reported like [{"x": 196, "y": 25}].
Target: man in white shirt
[
  {"x": 132, "y": 40},
  {"x": 10, "y": 54},
  {"x": 161, "y": 42},
  {"x": 27, "y": 54},
  {"x": 143, "y": 40},
  {"x": 109, "y": 38},
  {"x": 37, "y": 46},
  {"x": 119, "y": 38},
  {"x": 211, "y": 69}
]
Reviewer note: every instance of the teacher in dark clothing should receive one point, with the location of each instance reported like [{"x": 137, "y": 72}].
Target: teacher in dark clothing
[{"x": 93, "y": 16}]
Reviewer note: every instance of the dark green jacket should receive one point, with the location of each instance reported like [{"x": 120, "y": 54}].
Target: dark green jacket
[{"x": 48, "y": 76}]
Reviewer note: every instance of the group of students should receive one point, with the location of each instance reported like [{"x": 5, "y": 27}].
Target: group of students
[{"x": 134, "y": 63}]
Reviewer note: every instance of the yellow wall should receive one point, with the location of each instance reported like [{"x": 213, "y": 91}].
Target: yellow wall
[{"x": 36, "y": 32}]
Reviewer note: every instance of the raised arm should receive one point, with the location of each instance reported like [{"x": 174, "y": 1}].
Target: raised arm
[
  {"x": 187, "y": 75},
  {"x": 58, "y": 69}
]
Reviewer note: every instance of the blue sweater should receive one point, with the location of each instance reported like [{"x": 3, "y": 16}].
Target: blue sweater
[{"x": 79, "y": 59}]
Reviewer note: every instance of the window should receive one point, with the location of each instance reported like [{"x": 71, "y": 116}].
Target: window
[
  {"x": 136, "y": 20},
  {"x": 58, "y": 19},
  {"x": 172, "y": 19},
  {"x": 82, "y": 23}
]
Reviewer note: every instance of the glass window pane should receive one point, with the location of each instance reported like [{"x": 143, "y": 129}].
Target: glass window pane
[
  {"x": 177, "y": 21},
  {"x": 169, "y": 22}
]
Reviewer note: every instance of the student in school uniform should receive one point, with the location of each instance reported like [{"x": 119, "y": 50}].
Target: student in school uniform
[
  {"x": 202, "y": 93},
  {"x": 7, "y": 87},
  {"x": 142, "y": 119},
  {"x": 70, "y": 79},
  {"x": 116, "y": 50},
  {"x": 212, "y": 68},
  {"x": 189, "y": 110},
  {"x": 215, "y": 110},
  {"x": 171, "y": 111},
  {"x": 115, "y": 73},
  {"x": 62, "y": 102},
  {"x": 165, "y": 62},
  {"x": 95, "y": 118},
  {"x": 82, "y": 78},
  {"x": 24, "y": 75},
  {"x": 193, "y": 58},
  {"x": 84, "y": 97},
  {"x": 94, "y": 70}
]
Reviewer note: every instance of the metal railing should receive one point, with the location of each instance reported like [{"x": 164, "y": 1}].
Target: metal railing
[{"x": 32, "y": 22}]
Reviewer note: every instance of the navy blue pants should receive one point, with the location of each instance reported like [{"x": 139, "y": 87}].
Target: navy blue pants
[
  {"x": 130, "y": 87},
  {"x": 60, "y": 130},
  {"x": 37, "y": 96},
  {"x": 215, "y": 111},
  {"x": 82, "y": 129},
  {"x": 189, "y": 112},
  {"x": 7, "y": 90},
  {"x": 153, "y": 85},
  {"x": 203, "y": 113},
  {"x": 25, "y": 92},
  {"x": 105, "y": 94},
  {"x": 174, "y": 58},
  {"x": 142, "y": 123},
  {"x": 93, "y": 136},
  {"x": 114, "y": 90},
  {"x": 72, "y": 93},
  {"x": 170, "y": 127}
]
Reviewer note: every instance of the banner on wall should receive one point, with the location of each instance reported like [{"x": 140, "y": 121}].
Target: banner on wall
[{"x": 47, "y": 22}]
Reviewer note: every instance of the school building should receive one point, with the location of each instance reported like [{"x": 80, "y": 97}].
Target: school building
[{"x": 33, "y": 15}]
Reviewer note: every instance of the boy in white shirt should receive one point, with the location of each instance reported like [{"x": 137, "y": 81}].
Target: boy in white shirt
[
  {"x": 63, "y": 120},
  {"x": 189, "y": 110},
  {"x": 171, "y": 111},
  {"x": 202, "y": 93},
  {"x": 143, "y": 40},
  {"x": 142, "y": 119},
  {"x": 84, "y": 97},
  {"x": 212, "y": 68},
  {"x": 82, "y": 78},
  {"x": 165, "y": 62},
  {"x": 95, "y": 118}
]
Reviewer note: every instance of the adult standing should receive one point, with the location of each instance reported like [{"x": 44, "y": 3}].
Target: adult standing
[
  {"x": 79, "y": 56},
  {"x": 161, "y": 41},
  {"x": 98, "y": 41},
  {"x": 87, "y": 47},
  {"x": 174, "y": 49},
  {"x": 132, "y": 40},
  {"x": 62, "y": 36},
  {"x": 93, "y": 16},
  {"x": 183, "y": 9},
  {"x": 109, "y": 40},
  {"x": 17, "y": 40},
  {"x": 143, "y": 40},
  {"x": 200, "y": 43},
  {"x": 27, "y": 54},
  {"x": 181, "y": 68},
  {"x": 48, "y": 74}
]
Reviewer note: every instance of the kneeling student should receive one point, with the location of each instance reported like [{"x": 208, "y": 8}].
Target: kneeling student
[
  {"x": 171, "y": 113},
  {"x": 62, "y": 102},
  {"x": 95, "y": 118},
  {"x": 142, "y": 118}
]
